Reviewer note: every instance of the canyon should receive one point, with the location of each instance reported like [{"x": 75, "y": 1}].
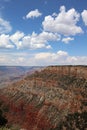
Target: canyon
[
  {"x": 10, "y": 74},
  {"x": 51, "y": 98}
]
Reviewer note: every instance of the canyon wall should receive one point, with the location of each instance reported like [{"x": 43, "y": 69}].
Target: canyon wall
[
  {"x": 79, "y": 71},
  {"x": 54, "y": 98}
]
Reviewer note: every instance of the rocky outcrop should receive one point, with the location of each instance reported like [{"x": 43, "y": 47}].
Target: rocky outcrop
[
  {"x": 78, "y": 71},
  {"x": 53, "y": 99}
]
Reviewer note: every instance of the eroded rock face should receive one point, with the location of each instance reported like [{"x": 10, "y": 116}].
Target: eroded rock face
[
  {"x": 78, "y": 71},
  {"x": 49, "y": 99}
]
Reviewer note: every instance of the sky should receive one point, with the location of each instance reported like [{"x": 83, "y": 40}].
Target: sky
[{"x": 43, "y": 32}]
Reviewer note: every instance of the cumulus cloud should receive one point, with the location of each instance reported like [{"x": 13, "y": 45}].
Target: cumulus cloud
[
  {"x": 5, "y": 42},
  {"x": 34, "y": 41},
  {"x": 59, "y": 58},
  {"x": 47, "y": 58},
  {"x": 33, "y": 14},
  {"x": 5, "y": 26},
  {"x": 63, "y": 23},
  {"x": 67, "y": 39},
  {"x": 16, "y": 38},
  {"x": 84, "y": 16}
]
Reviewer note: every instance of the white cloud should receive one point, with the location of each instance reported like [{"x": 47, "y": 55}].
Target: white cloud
[
  {"x": 54, "y": 14},
  {"x": 63, "y": 23},
  {"x": 31, "y": 42},
  {"x": 51, "y": 58},
  {"x": 59, "y": 58},
  {"x": 9, "y": 42},
  {"x": 34, "y": 13},
  {"x": 49, "y": 36},
  {"x": 84, "y": 16},
  {"x": 43, "y": 58},
  {"x": 67, "y": 39},
  {"x": 5, "y": 42},
  {"x": 47, "y": 58},
  {"x": 11, "y": 59},
  {"x": 34, "y": 41},
  {"x": 5, "y": 26},
  {"x": 16, "y": 38},
  {"x": 62, "y": 53}
]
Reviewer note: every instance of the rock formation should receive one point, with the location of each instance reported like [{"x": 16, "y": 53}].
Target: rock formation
[{"x": 53, "y": 99}]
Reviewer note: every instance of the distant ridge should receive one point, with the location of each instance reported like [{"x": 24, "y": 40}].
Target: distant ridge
[{"x": 9, "y": 74}]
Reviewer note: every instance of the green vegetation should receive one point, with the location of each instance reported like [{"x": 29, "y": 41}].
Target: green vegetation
[
  {"x": 4, "y": 128},
  {"x": 76, "y": 121}
]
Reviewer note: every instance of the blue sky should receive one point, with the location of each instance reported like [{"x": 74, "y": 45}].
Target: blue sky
[{"x": 43, "y": 32}]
